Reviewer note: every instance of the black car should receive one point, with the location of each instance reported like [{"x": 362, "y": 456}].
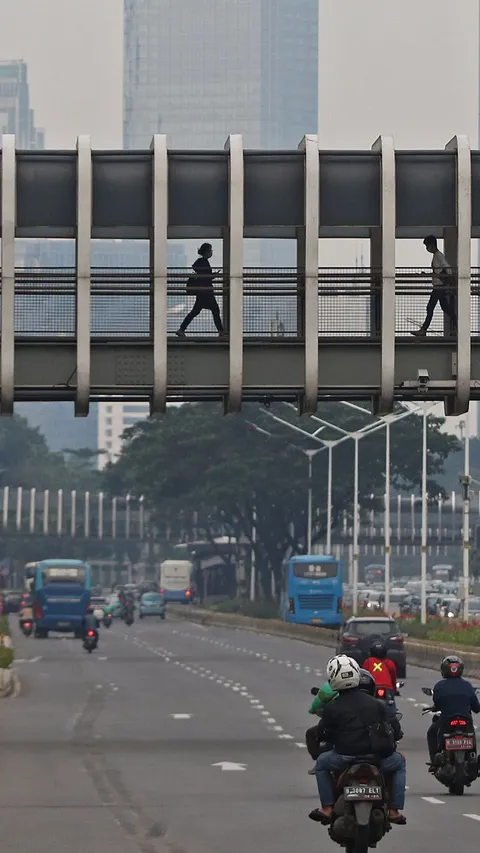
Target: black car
[
  {"x": 12, "y": 602},
  {"x": 359, "y": 633}
]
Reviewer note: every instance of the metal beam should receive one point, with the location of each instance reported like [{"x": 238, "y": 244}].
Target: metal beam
[
  {"x": 158, "y": 266},
  {"x": 460, "y": 238},
  {"x": 311, "y": 225},
  {"x": 234, "y": 146},
  {"x": 7, "y": 324},
  {"x": 383, "y": 258},
  {"x": 83, "y": 281}
]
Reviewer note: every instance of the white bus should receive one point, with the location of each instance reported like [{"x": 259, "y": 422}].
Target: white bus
[{"x": 176, "y": 580}]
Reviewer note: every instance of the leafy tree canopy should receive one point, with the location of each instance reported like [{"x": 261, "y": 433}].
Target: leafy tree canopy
[{"x": 196, "y": 463}]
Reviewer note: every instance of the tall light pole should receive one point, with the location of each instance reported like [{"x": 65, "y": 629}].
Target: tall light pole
[
  {"x": 465, "y": 481},
  {"x": 356, "y": 439},
  {"x": 386, "y": 522},
  {"x": 310, "y": 454},
  {"x": 253, "y": 557},
  {"x": 423, "y": 574}
]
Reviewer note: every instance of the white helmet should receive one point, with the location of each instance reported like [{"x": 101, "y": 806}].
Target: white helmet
[{"x": 343, "y": 673}]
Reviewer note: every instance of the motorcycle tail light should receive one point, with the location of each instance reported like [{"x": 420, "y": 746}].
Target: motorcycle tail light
[
  {"x": 90, "y": 633},
  {"x": 458, "y": 723},
  {"x": 381, "y": 692}
]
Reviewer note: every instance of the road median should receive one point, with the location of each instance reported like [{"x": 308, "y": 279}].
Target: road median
[{"x": 424, "y": 653}]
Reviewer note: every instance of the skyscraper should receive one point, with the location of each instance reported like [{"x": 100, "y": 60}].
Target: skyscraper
[
  {"x": 16, "y": 114},
  {"x": 199, "y": 70}
]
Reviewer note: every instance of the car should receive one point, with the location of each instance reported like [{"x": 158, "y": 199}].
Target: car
[
  {"x": 359, "y": 632},
  {"x": 12, "y": 602},
  {"x": 113, "y": 606},
  {"x": 152, "y": 604}
]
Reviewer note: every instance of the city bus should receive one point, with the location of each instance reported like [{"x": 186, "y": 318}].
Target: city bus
[
  {"x": 61, "y": 595},
  {"x": 312, "y": 591},
  {"x": 176, "y": 581}
]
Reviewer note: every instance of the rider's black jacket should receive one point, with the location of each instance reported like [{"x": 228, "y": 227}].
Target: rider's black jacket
[
  {"x": 346, "y": 721},
  {"x": 89, "y": 623},
  {"x": 453, "y": 696}
]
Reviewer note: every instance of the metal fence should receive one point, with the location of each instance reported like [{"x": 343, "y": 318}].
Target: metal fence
[{"x": 349, "y": 303}]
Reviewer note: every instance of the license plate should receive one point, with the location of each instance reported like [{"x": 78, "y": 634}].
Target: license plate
[
  {"x": 63, "y": 624},
  {"x": 316, "y": 621},
  {"x": 362, "y": 792},
  {"x": 459, "y": 743}
]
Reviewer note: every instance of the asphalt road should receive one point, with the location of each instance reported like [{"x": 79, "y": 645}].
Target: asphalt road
[{"x": 117, "y": 751}]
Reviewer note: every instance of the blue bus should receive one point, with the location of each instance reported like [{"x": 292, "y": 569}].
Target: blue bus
[
  {"x": 61, "y": 595},
  {"x": 312, "y": 591}
]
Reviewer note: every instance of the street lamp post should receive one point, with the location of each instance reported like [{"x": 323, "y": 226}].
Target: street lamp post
[
  {"x": 465, "y": 481},
  {"x": 356, "y": 439},
  {"x": 310, "y": 454},
  {"x": 423, "y": 575},
  {"x": 329, "y": 496},
  {"x": 386, "y": 522}
]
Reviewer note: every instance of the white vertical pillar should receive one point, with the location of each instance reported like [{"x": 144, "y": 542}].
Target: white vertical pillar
[
  {"x": 59, "y": 512},
  {"x": 127, "y": 516},
  {"x": 33, "y": 502},
  {"x": 19, "y": 508},
  {"x": 83, "y": 273},
  {"x": 86, "y": 524},
  {"x": 383, "y": 256},
  {"x": 114, "y": 518},
  {"x": 46, "y": 506},
  {"x": 309, "y": 145},
  {"x": 6, "y": 495},
  {"x": 100, "y": 515},
  {"x": 7, "y": 322},
  {"x": 141, "y": 518},
  {"x": 234, "y": 272},
  {"x": 159, "y": 272},
  {"x": 73, "y": 518},
  {"x": 459, "y": 240}
]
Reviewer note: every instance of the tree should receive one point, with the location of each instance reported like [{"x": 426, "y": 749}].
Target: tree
[
  {"x": 25, "y": 459},
  {"x": 196, "y": 463}
]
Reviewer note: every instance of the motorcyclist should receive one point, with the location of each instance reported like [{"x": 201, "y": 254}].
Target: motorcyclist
[
  {"x": 383, "y": 670},
  {"x": 345, "y": 724},
  {"x": 26, "y": 612},
  {"x": 452, "y": 695},
  {"x": 89, "y": 623},
  {"x": 323, "y": 697}
]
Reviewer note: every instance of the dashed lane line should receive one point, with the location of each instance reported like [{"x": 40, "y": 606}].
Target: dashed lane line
[
  {"x": 473, "y": 816},
  {"x": 434, "y": 801}
]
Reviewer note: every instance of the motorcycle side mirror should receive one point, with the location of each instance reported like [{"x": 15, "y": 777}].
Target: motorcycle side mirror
[
  {"x": 400, "y": 684},
  {"x": 399, "y": 715},
  {"x": 428, "y": 691},
  {"x": 314, "y": 690}
]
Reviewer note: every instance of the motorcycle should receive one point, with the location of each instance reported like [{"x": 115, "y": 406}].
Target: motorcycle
[
  {"x": 90, "y": 641},
  {"x": 456, "y": 764},
  {"x": 388, "y": 696},
  {"x": 128, "y": 618},
  {"x": 27, "y": 628},
  {"x": 107, "y": 620}
]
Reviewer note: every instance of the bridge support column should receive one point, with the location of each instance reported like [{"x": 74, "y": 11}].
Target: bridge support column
[
  {"x": 233, "y": 272},
  {"x": 7, "y": 323},
  {"x": 307, "y": 263},
  {"x": 83, "y": 245},
  {"x": 458, "y": 253},
  {"x": 382, "y": 263},
  {"x": 158, "y": 272}
]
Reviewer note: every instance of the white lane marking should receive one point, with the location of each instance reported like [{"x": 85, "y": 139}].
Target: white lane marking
[
  {"x": 35, "y": 660},
  {"x": 434, "y": 801},
  {"x": 301, "y": 745},
  {"x": 230, "y": 765},
  {"x": 103, "y": 658},
  {"x": 271, "y": 720},
  {"x": 278, "y": 728},
  {"x": 286, "y": 737},
  {"x": 181, "y": 716},
  {"x": 411, "y": 700},
  {"x": 99, "y": 686},
  {"x": 472, "y": 816}
]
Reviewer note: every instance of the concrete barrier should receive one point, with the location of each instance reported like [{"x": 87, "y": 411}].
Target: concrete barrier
[{"x": 422, "y": 653}]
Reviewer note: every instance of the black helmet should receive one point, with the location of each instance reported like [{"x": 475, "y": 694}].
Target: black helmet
[
  {"x": 452, "y": 667},
  {"x": 90, "y": 610},
  {"x": 367, "y": 682},
  {"x": 378, "y": 649}
]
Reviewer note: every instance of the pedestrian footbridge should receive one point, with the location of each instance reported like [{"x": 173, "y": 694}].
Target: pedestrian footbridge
[{"x": 304, "y": 333}]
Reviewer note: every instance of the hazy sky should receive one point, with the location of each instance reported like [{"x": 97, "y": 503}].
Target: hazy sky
[{"x": 74, "y": 54}]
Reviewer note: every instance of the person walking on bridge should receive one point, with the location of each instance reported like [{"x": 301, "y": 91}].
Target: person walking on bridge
[
  {"x": 442, "y": 279},
  {"x": 200, "y": 285}
]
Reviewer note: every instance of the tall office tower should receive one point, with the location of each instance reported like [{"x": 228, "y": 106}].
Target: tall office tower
[
  {"x": 199, "y": 70},
  {"x": 16, "y": 114}
]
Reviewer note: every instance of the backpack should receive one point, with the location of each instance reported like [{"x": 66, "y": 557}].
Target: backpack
[{"x": 382, "y": 738}]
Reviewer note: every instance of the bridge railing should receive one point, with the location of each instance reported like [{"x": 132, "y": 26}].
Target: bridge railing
[{"x": 349, "y": 303}]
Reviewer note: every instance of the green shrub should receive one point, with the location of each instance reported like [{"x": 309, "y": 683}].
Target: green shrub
[
  {"x": 4, "y": 626},
  {"x": 6, "y": 657},
  {"x": 255, "y": 609}
]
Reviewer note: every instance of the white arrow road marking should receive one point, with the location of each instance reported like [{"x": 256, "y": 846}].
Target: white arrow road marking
[
  {"x": 433, "y": 801},
  {"x": 472, "y": 816},
  {"x": 230, "y": 765},
  {"x": 181, "y": 716}
]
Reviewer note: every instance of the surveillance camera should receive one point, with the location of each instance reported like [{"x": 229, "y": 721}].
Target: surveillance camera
[{"x": 423, "y": 378}]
